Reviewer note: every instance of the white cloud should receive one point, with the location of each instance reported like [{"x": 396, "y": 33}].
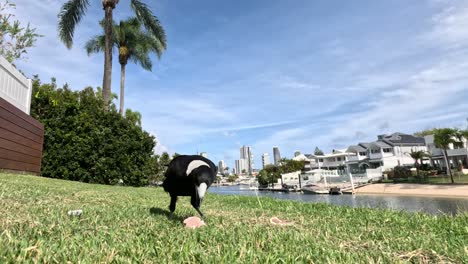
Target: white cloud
[{"x": 450, "y": 27}]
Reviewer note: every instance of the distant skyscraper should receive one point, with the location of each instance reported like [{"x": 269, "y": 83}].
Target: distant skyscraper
[
  {"x": 297, "y": 153},
  {"x": 221, "y": 166},
  {"x": 276, "y": 155},
  {"x": 246, "y": 153},
  {"x": 265, "y": 159},
  {"x": 204, "y": 154},
  {"x": 241, "y": 166}
]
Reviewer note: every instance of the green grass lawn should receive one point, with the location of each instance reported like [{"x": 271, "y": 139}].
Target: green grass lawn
[
  {"x": 458, "y": 178},
  {"x": 125, "y": 224}
]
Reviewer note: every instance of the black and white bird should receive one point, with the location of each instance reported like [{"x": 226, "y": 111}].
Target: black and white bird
[{"x": 189, "y": 175}]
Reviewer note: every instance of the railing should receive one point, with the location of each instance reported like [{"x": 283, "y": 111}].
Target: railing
[
  {"x": 14, "y": 87},
  {"x": 375, "y": 156},
  {"x": 457, "y": 152},
  {"x": 340, "y": 176}
]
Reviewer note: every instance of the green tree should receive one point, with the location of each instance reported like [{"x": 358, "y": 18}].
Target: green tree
[
  {"x": 318, "y": 151},
  {"x": 443, "y": 137},
  {"x": 133, "y": 116},
  {"x": 232, "y": 178},
  {"x": 133, "y": 43},
  {"x": 73, "y": 11},
  {"x": 82, "y": 142},
  {"x": 15, "y": 40},
  {"x": 426, "y": 132},
  {"x": 461, "y": 138},
  {"x": 418, "y": 157},
  {"x": 288, "y": 165},
  {"x": 269, "y": 174},
  {"x": 159, "y": 163}
]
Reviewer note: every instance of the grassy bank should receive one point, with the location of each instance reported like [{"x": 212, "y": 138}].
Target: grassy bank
[
  {"x": 441, "y": 179},
  {"x": 124, "y": 224}
]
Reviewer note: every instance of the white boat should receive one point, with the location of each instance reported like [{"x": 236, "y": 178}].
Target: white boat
[
  {"x": 251, "y": 185},
  {"x": 314, "y": 189}
]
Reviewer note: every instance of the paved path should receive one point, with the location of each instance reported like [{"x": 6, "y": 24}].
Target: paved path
[{"x": 415, "y": 189}]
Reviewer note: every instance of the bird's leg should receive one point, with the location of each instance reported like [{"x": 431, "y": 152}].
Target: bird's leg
[
  {"x": 195, "y": 201},
  {"x": 201, "y": 214},
  {"x": 172, "y": 206}
]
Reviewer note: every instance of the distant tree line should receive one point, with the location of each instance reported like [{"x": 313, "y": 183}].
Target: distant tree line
[{"x": 271, "y": 173}]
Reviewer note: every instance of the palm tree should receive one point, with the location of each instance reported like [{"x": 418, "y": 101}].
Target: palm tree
[
  {"x": 417, "y": 156},
  {"x": 73, "y": 11},
  {"x": 443, "y": 137},
  {"x": 134, "y": 44},
  {"x": 460, "y": 135}
]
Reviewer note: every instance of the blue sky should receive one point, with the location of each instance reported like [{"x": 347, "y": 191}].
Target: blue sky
[{"x": 293, "y": 74}]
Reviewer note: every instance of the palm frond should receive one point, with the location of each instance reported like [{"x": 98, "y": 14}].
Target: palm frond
[
  {"x": 140, "y": 56},
  {"x": 151, "y": 22},
  {"x": 69, "y": 16},
  {"x": 95, "y": 45}
]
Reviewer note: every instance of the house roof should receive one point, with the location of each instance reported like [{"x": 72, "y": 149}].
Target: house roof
[
  {"x": 356, "y": 148},
  {"x": 402, "y": 139},
  {"x": 381, "y": 144},
  {"x": 364, "y": 145},
  {"x": 301, "y": 157}
]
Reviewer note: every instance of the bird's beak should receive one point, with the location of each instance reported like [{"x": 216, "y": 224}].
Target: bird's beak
[{"x": 202, "y": 190}]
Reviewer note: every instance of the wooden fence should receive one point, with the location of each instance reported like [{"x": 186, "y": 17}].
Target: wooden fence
[{"x": 21, "y": 136}]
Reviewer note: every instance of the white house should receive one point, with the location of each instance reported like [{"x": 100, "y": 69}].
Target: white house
[
  {"x": 387, "y": 152},
  {"x": 457, "y": 155}
]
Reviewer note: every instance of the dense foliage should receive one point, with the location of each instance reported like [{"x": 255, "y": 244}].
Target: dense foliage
[
  {"x": 271, "y": 173},
  {"x": 85, "y": 143},
  {"x": 401, "y": 172}
]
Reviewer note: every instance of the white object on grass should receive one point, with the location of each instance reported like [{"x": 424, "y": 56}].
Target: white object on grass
[{"x": 75, "y": 212}]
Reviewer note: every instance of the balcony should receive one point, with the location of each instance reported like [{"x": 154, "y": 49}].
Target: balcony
[
  {"x": 436, "y": 152},
  {"x": 457, "y": 152},
  {"x": 375, "y": 156}
]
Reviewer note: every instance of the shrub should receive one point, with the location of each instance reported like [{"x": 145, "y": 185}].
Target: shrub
[
  {"x": 84, "y": 143},
  {"x": 401, "y": 172}
]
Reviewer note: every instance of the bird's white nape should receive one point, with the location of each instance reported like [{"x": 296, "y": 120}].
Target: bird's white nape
[
  {"x": 202, "y": 190},
  {"x": 195, "y": 164}
]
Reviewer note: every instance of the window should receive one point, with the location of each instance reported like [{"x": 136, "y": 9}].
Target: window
[
  {"x": 320, "y": 160},
  {"x": 387, "y": 150},
  {"x": 362, "y": 154},
  {"x": 373, "y": 151},
  {"x": 338, "y": 159}
]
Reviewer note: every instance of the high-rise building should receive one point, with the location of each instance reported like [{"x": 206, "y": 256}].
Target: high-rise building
[
  {"x": 276, "y": 156},
  {"x": 241, "y": 166},
  {"x": 265, "y": 159},
  {"x": 246, "y": 153},
  {"x": 221, "y": 166},
  {"x": 204, "y": 154}
]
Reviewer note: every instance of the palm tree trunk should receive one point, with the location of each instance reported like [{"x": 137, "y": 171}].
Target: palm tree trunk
[
  {"x": 448, "y": 165},
  {"x": 122, "y": 88},
  {"x": 106, "y": 82},
  {"x": 416, "y": 164}
]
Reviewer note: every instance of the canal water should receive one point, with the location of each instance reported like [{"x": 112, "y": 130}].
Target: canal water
[{"x": 430, "y": 205}]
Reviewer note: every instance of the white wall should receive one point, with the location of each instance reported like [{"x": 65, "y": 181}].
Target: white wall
[{"x": 14, "y": 87}]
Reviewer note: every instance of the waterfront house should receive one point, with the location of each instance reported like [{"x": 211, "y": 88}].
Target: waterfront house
[
  {"x": 457, "y": 154},
  {"x": 387, "y": 152}
]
